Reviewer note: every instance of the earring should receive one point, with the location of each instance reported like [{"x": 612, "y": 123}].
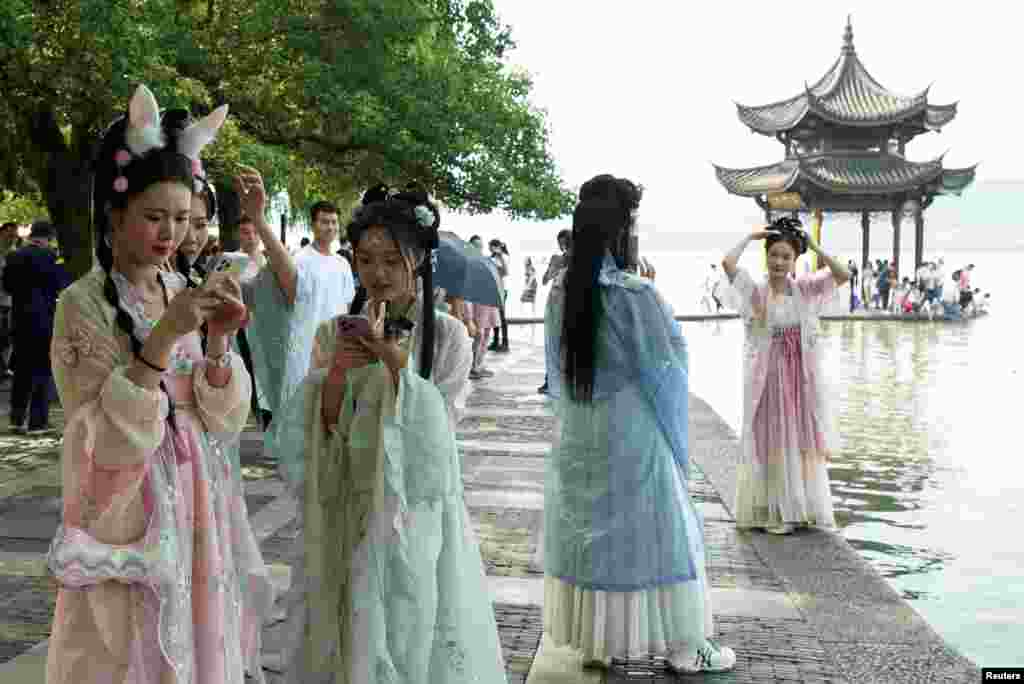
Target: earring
[{"x": 107, "y": 241}]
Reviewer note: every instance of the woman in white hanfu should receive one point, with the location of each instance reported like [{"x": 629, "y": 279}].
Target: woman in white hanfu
[
  {"x": 788, "y": 435},
  {"x": 394, "y": 586}
]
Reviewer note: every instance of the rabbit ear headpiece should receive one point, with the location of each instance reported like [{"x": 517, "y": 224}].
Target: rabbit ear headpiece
[{"x": 144, "y": 133}]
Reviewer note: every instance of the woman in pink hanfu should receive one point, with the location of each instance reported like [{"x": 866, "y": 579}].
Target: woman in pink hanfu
[
  {"x": 788, "y": 438},
  {"x": 161, "y": 580}
]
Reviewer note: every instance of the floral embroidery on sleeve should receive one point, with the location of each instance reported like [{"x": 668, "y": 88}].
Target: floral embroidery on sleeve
[{"x": 73, "y": 347}]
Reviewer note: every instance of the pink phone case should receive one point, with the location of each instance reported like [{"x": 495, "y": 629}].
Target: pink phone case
[{"x": 353, "y": 326}]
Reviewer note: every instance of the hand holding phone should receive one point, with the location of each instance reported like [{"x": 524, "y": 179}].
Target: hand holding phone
[
  {"x": 232, "y": 263},
  {"x": 353, "y": 326}
]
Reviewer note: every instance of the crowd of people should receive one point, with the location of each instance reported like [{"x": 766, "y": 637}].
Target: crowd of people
[
  {"x": 926, "y": 294},
  {"x": 358, "y": 368}
]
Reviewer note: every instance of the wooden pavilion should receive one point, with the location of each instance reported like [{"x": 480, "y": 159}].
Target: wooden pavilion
[{"x": 844, "y": 140}]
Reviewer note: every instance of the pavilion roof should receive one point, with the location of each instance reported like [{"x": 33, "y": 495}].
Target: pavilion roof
[
  {"x": 854, "y": 172},
  {"x": 847, "y": 95}
]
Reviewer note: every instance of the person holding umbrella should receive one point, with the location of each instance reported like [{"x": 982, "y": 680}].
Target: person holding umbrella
[{"x": 487, "y": 318}]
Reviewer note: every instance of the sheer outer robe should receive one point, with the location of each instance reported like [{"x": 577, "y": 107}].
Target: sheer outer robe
[
  {"x": 614, "y": 518},
  {"x": 811, "y": 293},
  {"x": 281, "y": 334},
  {"x": 127, "y": 528},
  {"x": 402, "y": 552}
]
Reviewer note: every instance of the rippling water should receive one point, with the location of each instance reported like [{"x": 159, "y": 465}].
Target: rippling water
[{"x": 929, "y": 483}]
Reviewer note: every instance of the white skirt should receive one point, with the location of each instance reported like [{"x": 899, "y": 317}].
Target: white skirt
[
  {"x": 661, "y": 621},
  {"x": 603, "y": 625}
]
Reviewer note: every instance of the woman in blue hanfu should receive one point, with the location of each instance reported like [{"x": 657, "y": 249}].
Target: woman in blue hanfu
[
  {"x": 394, "y": 583},
  {"x": 623, "y": 543}
]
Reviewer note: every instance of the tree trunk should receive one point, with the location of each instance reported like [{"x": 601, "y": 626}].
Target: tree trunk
[
  {"x": 229, "y": 212},
  {"x": 64, "y": 176}
]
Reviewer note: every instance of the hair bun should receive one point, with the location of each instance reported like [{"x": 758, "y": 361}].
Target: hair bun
[
  {"x": 378, "y": 193},
  {"x": 792, "y": 229}
]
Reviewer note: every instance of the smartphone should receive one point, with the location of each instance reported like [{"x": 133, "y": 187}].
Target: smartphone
[
  {"x": 233, "y": 263},
  {"x": 353, "y": 326}
]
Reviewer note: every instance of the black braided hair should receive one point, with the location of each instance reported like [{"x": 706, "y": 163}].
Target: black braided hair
[
  {"x": 156, "y": 166},
  {"x": 600, "y": 224},
  {"x": 397, "y": 214}
]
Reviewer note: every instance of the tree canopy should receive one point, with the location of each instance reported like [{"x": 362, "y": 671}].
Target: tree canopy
[{"x": 326, "y": 98}]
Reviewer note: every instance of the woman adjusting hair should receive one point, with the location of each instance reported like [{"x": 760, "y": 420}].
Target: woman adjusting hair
[{"x": 787, "y": 438}]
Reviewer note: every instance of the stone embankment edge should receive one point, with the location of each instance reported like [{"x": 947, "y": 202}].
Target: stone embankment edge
[{"x": 869, "y": 631}]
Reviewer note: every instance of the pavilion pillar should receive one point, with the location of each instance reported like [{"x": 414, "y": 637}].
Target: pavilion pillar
[
  {"x": 918, "y": 238},
  {"x": 865, "y": 243},
  {"x": 897, "y": 219}
]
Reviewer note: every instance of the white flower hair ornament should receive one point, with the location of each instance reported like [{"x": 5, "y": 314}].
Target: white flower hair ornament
[
  {"x": 424, "y": 216},
  {"x": 427, "y": 220},
  {"x": 145, "y": 134}
]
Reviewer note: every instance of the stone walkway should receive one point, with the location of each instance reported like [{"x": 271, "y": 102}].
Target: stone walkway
[{"x": 504, "y": 438}]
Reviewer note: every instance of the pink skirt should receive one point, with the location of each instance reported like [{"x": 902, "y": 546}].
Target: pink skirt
[
  {"x": 787, "y": 480},
  {"x": 486, "y": 316},
  {"x": 785, "y": 416}
]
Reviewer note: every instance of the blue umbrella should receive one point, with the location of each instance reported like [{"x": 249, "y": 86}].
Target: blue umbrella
[{"x": 463, "y": 272}]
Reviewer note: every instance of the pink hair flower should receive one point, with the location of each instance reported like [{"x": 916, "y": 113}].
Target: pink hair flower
[
  {"x": 120, "y": 184},
  {"x": 197, "y": 167},
  {"x": 122, "y": 157}
]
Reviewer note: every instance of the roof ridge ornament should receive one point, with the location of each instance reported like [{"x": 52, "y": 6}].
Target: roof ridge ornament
[{"x": 848, "y": 48}]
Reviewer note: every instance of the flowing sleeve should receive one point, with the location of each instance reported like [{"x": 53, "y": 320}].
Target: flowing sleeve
[
  {"x": 738, "y": 294},
  {"x": 453, "y": 358},
  {"x": 819, "y": 287},
  {"x": 646, "y": 329},
  {"x": 281, "y": 333},
  {"x": 224, "y": 410},
  {"x": 89, "y": 364},
  {"x": 299, "y": 427}
]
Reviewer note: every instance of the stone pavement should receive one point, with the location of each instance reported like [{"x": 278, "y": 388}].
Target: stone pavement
[{"x": 800, "y": 609}]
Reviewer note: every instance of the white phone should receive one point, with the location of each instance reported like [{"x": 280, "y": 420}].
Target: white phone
[{"x": 233, "y": 263}]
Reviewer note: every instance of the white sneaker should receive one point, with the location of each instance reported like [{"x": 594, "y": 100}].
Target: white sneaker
[{"x": 708, "y": 658}]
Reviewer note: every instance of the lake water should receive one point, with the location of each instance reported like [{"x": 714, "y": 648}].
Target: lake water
[{"x": 929, "y": 484}]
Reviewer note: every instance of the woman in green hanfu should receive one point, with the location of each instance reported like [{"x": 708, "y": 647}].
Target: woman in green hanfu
[{"x": 389, "y": 585}]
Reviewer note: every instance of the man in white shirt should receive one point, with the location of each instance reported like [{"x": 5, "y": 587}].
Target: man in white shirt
[
  {"x": 923, "y": 273},
  {"x": 951, "y": 301},
  {"x": 333, "y": 271}
]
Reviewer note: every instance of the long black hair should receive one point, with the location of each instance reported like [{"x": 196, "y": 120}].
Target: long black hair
[
  {"x": 600, "y": 224},
  {"x": 204, "y": 190},
  {"x": 156, "y": 166},
  {"x": 397, "y": 214}
]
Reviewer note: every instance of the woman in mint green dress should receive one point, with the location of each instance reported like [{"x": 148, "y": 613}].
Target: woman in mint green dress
[{"x": 394, "y": 589}]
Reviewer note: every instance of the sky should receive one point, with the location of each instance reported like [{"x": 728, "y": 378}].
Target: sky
[{"x": 646, "y": 90}]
